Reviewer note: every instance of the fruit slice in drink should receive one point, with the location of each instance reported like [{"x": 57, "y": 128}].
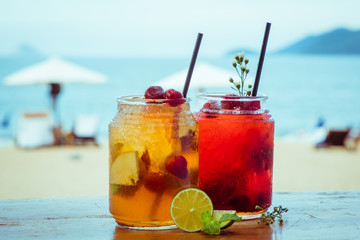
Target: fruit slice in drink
[
  {"x": 187, "y": 207},
  {"x": 125, "y": 169},
  {"x": 217, "y": 214}
]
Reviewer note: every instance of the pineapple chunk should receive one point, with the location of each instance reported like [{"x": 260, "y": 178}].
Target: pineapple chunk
[
  {"x": 184, "y": 130},
  {"x": 125, "y": 169}
]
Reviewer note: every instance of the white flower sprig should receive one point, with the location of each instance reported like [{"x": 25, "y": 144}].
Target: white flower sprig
[{"x": 240, "y": 66}]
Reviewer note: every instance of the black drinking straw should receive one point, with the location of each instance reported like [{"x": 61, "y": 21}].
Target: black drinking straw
[
  {"x": 192, "y": 64},
  {"x": 261, "y": 60}
]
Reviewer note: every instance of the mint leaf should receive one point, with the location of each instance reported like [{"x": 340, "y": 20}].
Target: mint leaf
[
  {"x": 227, "y": 217},
  {"x": 210, "y": 226},
  {"x": 206, "y": 216}
]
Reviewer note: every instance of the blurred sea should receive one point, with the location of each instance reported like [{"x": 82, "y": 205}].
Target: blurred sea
[{"x": 301, "y": 89}]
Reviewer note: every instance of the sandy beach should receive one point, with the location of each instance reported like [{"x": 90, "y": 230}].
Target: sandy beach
[{"x": 83, "y": 171}]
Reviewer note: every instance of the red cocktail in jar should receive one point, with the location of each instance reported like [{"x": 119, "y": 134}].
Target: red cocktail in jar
[{"x": 236, "y": 142}]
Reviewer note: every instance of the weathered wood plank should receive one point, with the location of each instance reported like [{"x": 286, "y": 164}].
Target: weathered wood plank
[{"x": 312, "y": 215}]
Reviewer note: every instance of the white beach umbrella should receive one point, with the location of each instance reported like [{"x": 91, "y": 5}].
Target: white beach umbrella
[
  {"x": 204, "y": 76},
  {"x": 54, "y": 72}
]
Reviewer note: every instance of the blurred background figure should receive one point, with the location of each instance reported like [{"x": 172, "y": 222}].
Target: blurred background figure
[
  {"x": 54, "y": 72},
  {"x": 320, "y": 132}
]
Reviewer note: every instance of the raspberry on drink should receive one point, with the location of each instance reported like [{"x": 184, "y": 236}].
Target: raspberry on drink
[
  {"x": 175, "y": 97},
  {"x": 173, "y": 94},
  {"x": 228, "y": 104},
  {"x": 212, "y": 105},
  {"x": 239, "y": 105},
  {"x": 250, "y": 106},
  {"x": 154, "y": 92},
  {"x": 177, "y": 166}
]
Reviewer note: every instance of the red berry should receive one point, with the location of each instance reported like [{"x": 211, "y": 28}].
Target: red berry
[
  {"x": 154, "y": 92},
  {"x": 239, "y": 105},
  {"x": 177, "y": 166},
  {"x": 250, "y": 105},
  {"x": 176, "y": 98},
  {"x": 228, "y": 104},
  {"x": 212, "y": 105},
  {"x": 173, "y": 94}
]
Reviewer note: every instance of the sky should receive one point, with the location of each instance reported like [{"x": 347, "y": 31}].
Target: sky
[{"x": 163, "y": 28}]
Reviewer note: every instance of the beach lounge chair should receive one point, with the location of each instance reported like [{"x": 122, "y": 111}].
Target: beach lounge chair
[
  {"x": 35, "y": 130},
  {"x": 85, "y": 129},
  {"x": 335, "y": 138}
]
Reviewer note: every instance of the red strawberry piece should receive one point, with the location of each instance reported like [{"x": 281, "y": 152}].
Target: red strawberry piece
[
  {"x": 177, "y": 166},
  {"x": 228, "y": 104},
  {"x": 239, "y": 105},
  {"x": 250, "y": 105},
  {"x": 155, "y": 182},
  {"x": 175, "y": 97},
  {"x": 212, "y": 105},
  {"x": 154, "y": 92}
]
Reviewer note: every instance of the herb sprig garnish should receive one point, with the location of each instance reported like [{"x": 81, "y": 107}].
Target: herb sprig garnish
[
  {"x": 270, "y": 217},
  {"x": 212, "y": 226},
  {"x": 242, "y": 71}
]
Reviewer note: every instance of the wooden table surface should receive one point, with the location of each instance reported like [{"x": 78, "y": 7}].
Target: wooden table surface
[{"x": 312, "y": 215}]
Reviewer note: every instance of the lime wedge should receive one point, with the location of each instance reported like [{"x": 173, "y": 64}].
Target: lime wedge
[
  {"x": 217, "y": 214},
  {"x": 187, "y": 207}
]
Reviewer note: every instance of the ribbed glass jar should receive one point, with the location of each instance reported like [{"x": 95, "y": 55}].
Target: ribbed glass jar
[
  {"x": 236, "y": 143},
  {"x": 153, "y": 155}
]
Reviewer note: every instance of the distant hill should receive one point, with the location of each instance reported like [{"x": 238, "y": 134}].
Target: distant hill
[
  {"x": 339, "y": 41},
  {"x": 25, "y": 51}
]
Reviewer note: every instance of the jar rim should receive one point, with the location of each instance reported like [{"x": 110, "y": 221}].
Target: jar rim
[
  {"x": 219, "y": 103},
  {"x": 139, "y": 99},
  {"x": 221, "y": 96}
]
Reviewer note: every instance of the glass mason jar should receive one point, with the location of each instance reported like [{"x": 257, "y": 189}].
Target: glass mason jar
[
  {"x": 236, "y": 143},
  {"x": 153, "y": 155}
]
